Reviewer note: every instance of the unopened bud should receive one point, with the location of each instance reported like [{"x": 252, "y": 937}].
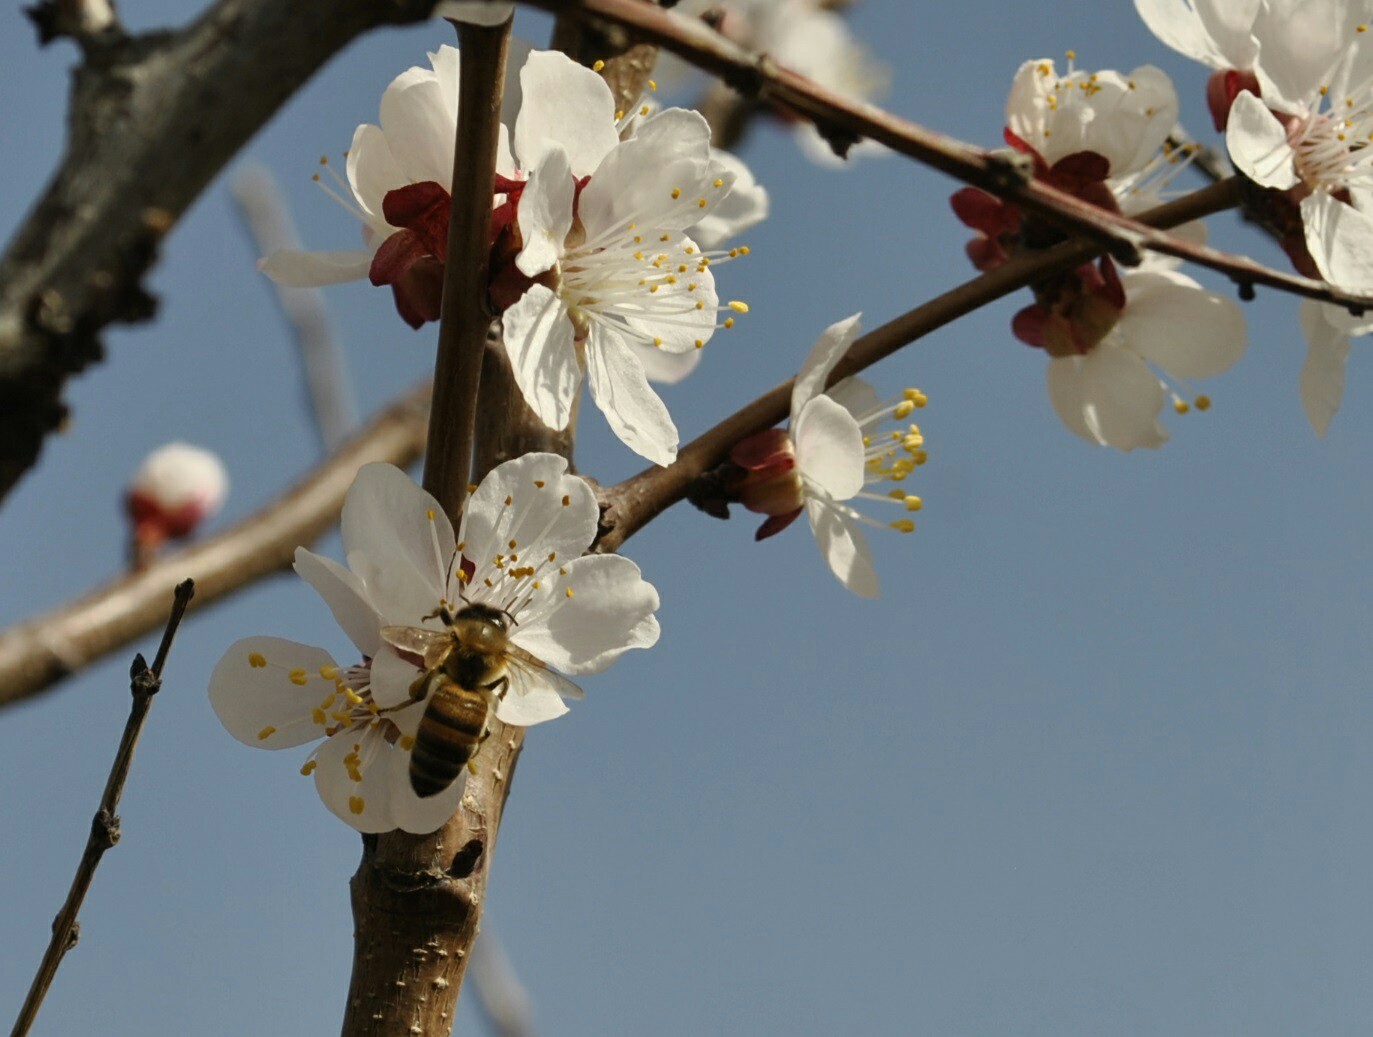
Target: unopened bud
[{"x": 176, "y": 488}]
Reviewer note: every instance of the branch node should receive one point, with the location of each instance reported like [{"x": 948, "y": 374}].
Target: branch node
[
  {"x": 104, "y": 829},
  {"x": 1246, "y": 291},
  {"x": 1010, "y": 168}
]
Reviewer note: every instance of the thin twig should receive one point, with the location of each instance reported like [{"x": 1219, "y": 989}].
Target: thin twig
[
  {"x": 631, "y": 504},
  {"x": 37, "y": 652},
  {"x": 271, "y": 229},
  {"x": 465, "y": 316},
  {"x": 843, "y": 121},
  {"x": 144, "y": 684}
]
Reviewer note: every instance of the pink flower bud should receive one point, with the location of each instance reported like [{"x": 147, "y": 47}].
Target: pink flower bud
[{"x": 176, "y": 488}]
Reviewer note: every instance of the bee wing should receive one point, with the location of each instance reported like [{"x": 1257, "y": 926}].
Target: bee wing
[
  {"x": 536, "y": 671},
  {"x": 418, "y": 641}
]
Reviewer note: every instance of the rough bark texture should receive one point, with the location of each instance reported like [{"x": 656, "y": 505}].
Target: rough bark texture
[{"x": 153, "y": 119}]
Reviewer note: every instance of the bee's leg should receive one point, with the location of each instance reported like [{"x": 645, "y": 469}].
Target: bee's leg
[
  {"x": 497, "y": 689},
  {"x": 419, "y": 686}
]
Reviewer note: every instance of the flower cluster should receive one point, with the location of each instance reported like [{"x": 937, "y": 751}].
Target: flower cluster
[
  {"x": 1293, "y": 92},
  {"x": 594, "y": 266},
  {"x": 520, "y": 549},
  {"x": 1119, "y": 345}
]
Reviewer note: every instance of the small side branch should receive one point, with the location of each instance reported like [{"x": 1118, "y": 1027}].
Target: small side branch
[
  {"x": 144, "y": 683},
  {"x": 38, "y": 652},
  {"x": 630, "y": 505}
]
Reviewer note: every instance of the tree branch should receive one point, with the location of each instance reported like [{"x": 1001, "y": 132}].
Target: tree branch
[
  {"x": 630, "y": 505},
  {"x": 144, "y": 684},
  {"x": 38, "y": 652},
  {"x": 153, "y": 119},
  {"x": 843, "y": 121},
  {"x": 417, "y": 900}
]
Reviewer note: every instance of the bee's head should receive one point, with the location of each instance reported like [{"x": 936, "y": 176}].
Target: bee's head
[{"x": 481, "y": 627}]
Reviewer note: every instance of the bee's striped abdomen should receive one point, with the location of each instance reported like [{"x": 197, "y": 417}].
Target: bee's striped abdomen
[{"x": 448, "y": 736}]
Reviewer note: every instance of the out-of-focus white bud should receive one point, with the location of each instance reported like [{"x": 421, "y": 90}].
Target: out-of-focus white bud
[{"x": 176, "y": 488}]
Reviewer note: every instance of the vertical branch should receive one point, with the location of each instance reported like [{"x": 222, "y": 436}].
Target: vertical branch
[
  {"x": 271, "y": 229},
  {"x": 144, "y": 684},
  {"x": 465, "y": 319},
  {"x": 417, "y": 899}
]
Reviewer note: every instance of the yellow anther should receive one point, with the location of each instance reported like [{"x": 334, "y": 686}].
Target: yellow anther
[
  {"x": 356, "y": 804},
  {"x": 903, "y": 526},
  {"x": 318, "y": 716},
  {"x": 1203, "y": 402},
  {"x": 916, "y": 397},
  {"x": 471, "y": 487},
  {"x": 329, "y": 672},
  {"x": 653, "y": 86},
  {"x": 914, "y": 503},
  {"x": 406, "y": 742},
  {"x": 464, "y": 576},
  {"x": 619, "y": 114},
  {"x": 700, "y": 344},
  {"x": 729, "y": 322},
  {"x": 309, "y": 767},
  {"x": 919, "y": 457},
  {"x": 266, "y": 732},
  {"x": 567, "y": 499},
  {"x": 738, "y": 307},
  {"x": 676, "y": 193},
  {"x": 719, "y": 182},
  {"x": 509, "y": 501},
  {"x": 657, "y": 341},
  {"x": 429, "y": 514},
  {"x": 700, "y": 203},
  {"x": 903, "y": 409},
  {"x": 597, "y": 65},
  {"x": 298, "y": 676},
  {"x": 539, "y": 483},
  {"x": 257, "y": 660},
  {"x": 569, "y": 592},
  {"x": 315, "y": 178},
  {"x": 562, "y": 570},
  {"x": 513, "y": 545},
  {"x": 1181, "y": 406},
  {"x": 645, "y": 110},
  {"x": 743, "y": 250}
]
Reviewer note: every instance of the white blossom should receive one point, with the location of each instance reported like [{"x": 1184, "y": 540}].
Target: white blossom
[{"x": 520, "y": 548}]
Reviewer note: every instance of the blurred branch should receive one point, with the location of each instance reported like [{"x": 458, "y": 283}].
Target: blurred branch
[
  {"x": 271, "y": 229},
  {"x": 144, "y": 684},
  {"x": 630, "y": 505},
  {"x": 499, "y": 991},
  {"x": 38, "y": 652},
  {"x": 844, "y": 121},
  {"x": 153, "y": 118}
]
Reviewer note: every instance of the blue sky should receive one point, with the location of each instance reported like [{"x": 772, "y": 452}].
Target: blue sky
[{"x": 1096, "y": 762}]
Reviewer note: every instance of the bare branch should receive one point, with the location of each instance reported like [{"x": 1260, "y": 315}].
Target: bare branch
[
  {"x": 38, "y": 652},
  {"x": 197, "y": 94},
  {"x": 843, "y": 121},
  {"x": 144, "y": 684},
  {"x": 465, "y": 315},
  {"x": 631, "y": 504},
  {"x": 271, "y": 229}
]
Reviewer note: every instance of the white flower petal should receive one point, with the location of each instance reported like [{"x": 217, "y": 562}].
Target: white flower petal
[
  {"x": 662, "y": 366},
  {"x": 1175, "y": 323},
  {"x": 1322, "y": 373},
  {"x": 346, "y": 595},
  {"x": 670, "y": 152},
  {"x": 745, "y": 206},
  {"x": 566, "y": 104},
  {"x": 373, "y": 171},
  {"x": 1215, "y": 32},
  {"x": 545, "y": 213},
  {"x": 539, "y": 341},
  {"x": 859, "y": 398},
  {"x": 610, "y": 611},
  {"x": 420, "y": 127},
  {"x": 630, "y": 405},
  {"x": 398, "y": 540},
  {"x": 832, "y": 344},
  {"x": 844, "y": 546},
  {"x": 297, "y": 269},
  {"x": 1340, "y": 240},
  {"x": 529, "y": 700},
  {"x": 261, "y": 705},
  {"x": 392, "y": 677},
  {"x": 366, "y": 804},
  {"x": 829, "y": 448},
  {"x": 535, "y": 517},
  {"x": 1258, "y": 144},
  {"x": 679, "y": 317},
  {"x": 1108, "y": 397}
]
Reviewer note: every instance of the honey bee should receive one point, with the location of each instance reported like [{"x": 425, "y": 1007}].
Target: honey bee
[{"x": 468, "y": 667}]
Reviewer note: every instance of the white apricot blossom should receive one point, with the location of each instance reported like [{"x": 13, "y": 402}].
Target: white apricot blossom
[
  {"x": 1123, "y": 118},
  {"x": 610, "y": 266},
  {"x": 833, "y": 448},
  {"x": 1329, "y": 332},
  {"x": 519, "y": 549},
  {"x": 1111, "y": 393}
]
